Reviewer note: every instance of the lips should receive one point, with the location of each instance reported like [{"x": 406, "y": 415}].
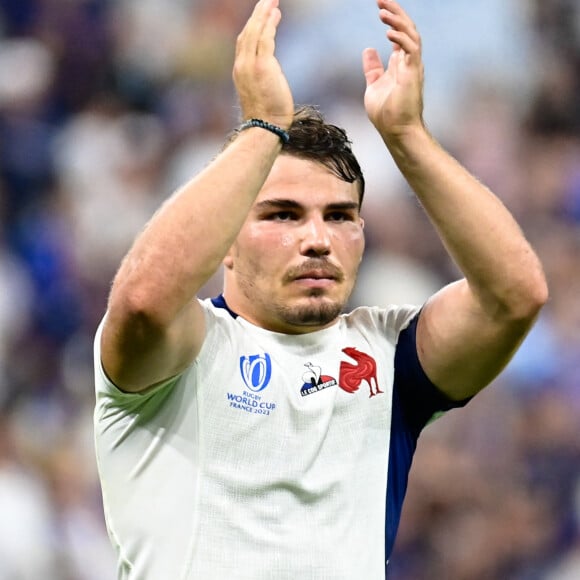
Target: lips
[
  {"x": 315, "y": 271},
  {"x": 316, "y": 275}
]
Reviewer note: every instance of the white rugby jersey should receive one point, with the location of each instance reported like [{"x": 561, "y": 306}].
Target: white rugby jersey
[{"x": 271, "y": 457}]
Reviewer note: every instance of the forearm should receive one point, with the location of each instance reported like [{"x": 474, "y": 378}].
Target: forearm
[
  {"x": 154, "y": 326},
  {"x": 184, "y": 243},
  {"x": 477, "y": 230}
]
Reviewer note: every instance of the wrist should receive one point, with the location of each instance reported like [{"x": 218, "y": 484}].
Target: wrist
[
  {"x": 409, "y": 145},
  {"x": 277, "y": 130},
  {"x": 407, "y": 139},
  {"x": 404, "y": 135}
]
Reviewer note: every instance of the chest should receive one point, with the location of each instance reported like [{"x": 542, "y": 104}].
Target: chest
[{"x": 286, "y": 412}]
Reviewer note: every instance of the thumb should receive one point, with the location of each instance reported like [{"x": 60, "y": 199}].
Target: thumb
[{"x": 372, "y": 65}]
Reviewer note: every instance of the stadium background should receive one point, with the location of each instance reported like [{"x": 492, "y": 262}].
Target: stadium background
[{"x": 107, "y": 105}]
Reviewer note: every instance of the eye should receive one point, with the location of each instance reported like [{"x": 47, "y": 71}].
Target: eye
[
  {"x": 282, "y": 216},
  {"x": 340, "y": 216}
]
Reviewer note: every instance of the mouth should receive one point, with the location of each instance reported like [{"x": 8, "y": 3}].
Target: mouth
[
  {"x": 319, "y": 283},
  {"x": 315, "y": 275},
  {"x": 317, "y": 280},
  {"x": 318, "y": 275}
]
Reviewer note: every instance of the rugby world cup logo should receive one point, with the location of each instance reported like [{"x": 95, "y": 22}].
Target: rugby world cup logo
[{"x": 256, "y": 371}]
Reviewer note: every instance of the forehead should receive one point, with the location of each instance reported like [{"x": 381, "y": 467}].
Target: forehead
[{"x": 305, "y": 181}]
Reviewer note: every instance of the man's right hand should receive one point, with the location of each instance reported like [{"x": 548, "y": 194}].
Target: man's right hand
[{"x": 261, "y": 85}]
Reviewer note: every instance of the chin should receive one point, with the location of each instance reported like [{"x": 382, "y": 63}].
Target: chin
[{"x": 312, "y": 311}]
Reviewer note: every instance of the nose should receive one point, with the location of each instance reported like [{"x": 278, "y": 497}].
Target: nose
[{"x": 315, "y": 238}]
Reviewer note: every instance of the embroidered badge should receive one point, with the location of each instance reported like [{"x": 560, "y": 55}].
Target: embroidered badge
[
  {"x": 314, "y": 381},
  {"x": 352, "y": 375}
]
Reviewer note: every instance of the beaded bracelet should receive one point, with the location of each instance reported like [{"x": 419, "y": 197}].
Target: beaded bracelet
[{"x": 268, "y": 126}]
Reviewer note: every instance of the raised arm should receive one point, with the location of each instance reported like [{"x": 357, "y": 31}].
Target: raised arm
[
  {"x": 469, "y": 330},
  {"x": 154, "y": 326}
]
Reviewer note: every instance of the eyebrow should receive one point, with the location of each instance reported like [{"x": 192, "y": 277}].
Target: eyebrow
[{"x": 291, "y": 204}]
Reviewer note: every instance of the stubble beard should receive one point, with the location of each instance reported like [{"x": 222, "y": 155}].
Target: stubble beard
[
  {"x": 316, "y": 313},
  {"x": 316, "y": 309}
]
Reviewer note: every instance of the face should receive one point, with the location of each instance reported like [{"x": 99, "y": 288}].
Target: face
[{"x": 294, "y": 263}]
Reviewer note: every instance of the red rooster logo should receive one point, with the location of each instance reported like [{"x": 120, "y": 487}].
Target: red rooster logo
[{"x": 352, "y": 375}]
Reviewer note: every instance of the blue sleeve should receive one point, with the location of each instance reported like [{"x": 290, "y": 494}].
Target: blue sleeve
[
  {"x": 415, "y": 400},
  {"x": 417, "y": 396}
]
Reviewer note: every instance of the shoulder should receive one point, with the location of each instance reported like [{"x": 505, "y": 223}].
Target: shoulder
[{"x": 390, "y": 320}]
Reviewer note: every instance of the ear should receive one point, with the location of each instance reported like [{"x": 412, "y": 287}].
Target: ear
[{"x": 228, "y": 260}]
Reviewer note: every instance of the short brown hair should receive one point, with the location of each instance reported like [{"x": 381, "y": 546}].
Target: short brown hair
[{"x": 313, "y": 139}]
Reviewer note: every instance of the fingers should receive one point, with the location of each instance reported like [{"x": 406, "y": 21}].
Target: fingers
[
  {"x": 402, "y": 33},
  {"x": 372, "y": 65},
  {"x": 260, "y": 82},
  {"x": 259, "y": 33},
  {"x": 267, "y": 43}
]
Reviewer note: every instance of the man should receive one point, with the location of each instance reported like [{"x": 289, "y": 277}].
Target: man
[{"x": 265, "y": 434}]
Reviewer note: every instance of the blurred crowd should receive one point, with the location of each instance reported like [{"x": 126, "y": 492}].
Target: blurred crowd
[{"x": 106, "y": 106}]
